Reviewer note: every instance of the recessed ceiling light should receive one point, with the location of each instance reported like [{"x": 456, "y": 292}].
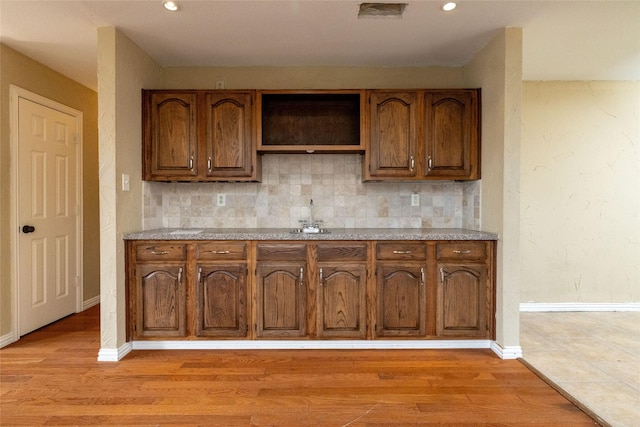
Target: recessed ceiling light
[
  {"x": 170, "y": 5},
  {"x": 448, "y": 7}
]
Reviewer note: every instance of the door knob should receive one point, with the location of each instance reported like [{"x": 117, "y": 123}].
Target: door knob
[{"x": 28, "y": 229}]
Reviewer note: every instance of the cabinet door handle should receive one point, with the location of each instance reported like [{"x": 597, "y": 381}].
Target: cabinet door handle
[
  {"x": 209, "y": 164},
  {"x": 199, "y": 274},
  {"x": 421, "y": 276},
  {"x": 429, "y": 163},
  {"x": 191, "y": 163},
  {"x": 301, "y": 275},
  {"x": 458, "y": 251},
  {"x": 413, "y": 163},
  {"x": 402, "y": 252},
  {"x": 441, "y": 275},
  {"x": 321, "y": 277},
  {"x": 159, "y": 252},
  {"x": 220, "y": 252},
  {"x": 180, "y": 275}
]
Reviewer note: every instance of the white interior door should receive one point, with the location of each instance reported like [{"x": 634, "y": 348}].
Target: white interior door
[{"x": 48, "y": 191}]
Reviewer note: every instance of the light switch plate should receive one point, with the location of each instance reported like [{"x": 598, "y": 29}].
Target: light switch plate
[
  {"x": 415, "y": 200},
  {"x": 125, "y": 182}
]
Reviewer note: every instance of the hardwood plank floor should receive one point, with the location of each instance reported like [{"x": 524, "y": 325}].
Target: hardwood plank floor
[{"x": 52, "y": 377}]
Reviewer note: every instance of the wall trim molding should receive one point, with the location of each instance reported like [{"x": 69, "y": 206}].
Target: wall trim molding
[
  {"x": 9, "y": 338},
  {"x": 579, "y": 306},
  {"x": 114, "y": 354},
  {"x": 91, "y": 302},
  {"x": 507, "y": 352},
  {"x": 323, "y": 345}
]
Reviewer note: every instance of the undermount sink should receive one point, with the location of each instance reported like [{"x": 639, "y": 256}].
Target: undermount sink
[{"x": 310, "y": 230}]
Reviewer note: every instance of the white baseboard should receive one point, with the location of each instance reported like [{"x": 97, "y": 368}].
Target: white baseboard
[
  {"x": 308, "y": 345},
  {"x": 91, "y": 302},
  {"x": 507, "y": 352},
  {"x": 7, "y": 339},
  {"x": 579, "y": 306},
  {"x": 114, "y": 354}
]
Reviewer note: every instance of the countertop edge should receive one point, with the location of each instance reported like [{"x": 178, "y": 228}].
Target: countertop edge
[{"x": 286, "y": 234}]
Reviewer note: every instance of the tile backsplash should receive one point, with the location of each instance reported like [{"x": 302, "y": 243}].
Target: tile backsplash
[{"x": 333, "y": 181}]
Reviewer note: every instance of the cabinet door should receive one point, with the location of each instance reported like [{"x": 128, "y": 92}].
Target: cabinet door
[
  {"x": 462, "y": 305},
  {"x": 170, "y": 136},
  {"x": 229, "y": 138},
  {"x": 281, "y": 299},
  {"x": 392, "y": 135},
  {"x": 160, "y": 300},
  {"x": 222, "y": 300},
  {"x": 341, "y": 302},
  {"x": 451, "y": 134},
  {"x": 402, "y": 299}
]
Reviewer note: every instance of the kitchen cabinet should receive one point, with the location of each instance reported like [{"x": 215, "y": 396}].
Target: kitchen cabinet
[
  {"x": 170, "y": 135},
  {"x": 199, "y": 135},
  {"x": 281, "y": 290},
  {"x": 334, "y": 289},
  {"x": 464, "y": 290},
  {"x": 158, "y": 290},
  {"x": 320, "y": 121},
  {"x": 341, "y": 290},
  {"x": 222, "y": 290},
  {"x": 422, "y": 135},
  {"x": 392, "y": 135},
  {"x": 451, "y": 134},
  {"x": 401, "y": 270}
]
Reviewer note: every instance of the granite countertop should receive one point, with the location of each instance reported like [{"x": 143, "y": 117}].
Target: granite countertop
[{"x": 333, "y": 234}]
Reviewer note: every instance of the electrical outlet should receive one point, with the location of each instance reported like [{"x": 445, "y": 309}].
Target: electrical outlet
[
  {"x": 221, "y": 200},
  {"x": 415, "y": 200},
  {"x": 219, "y": 84}
]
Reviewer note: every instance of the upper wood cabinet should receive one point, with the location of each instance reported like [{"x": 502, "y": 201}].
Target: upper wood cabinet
[
  {"x": 195, "y": 135},
  {"x": 422, "y": 135},
  {"x": 451, "y": 134},
  {"x": 392, "y": 135},
  {"x": 170, "y": 135},
  {"x": 320, "y": 121}
]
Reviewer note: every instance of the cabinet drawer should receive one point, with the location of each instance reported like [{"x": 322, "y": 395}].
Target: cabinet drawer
[
  {"x": 401, "y": 251},
  {"x": 342, "y": 252},
  {"x": 461, "y": 250},
  {"x": 281, "y": 252},
  {"x": 160, "y": 251},
  {"x": 222, "y": 250}
]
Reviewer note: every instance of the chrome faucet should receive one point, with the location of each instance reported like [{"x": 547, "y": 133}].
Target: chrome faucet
[{"x": 311, "y": 225}]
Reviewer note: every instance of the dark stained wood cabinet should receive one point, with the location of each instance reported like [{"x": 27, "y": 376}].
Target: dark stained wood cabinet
[
  {"x": 159, "y": 290},
  {"x": 222, "y": 308},
  {"x": 422, "y": 135},
  {"x": 465, "y": 297},
  {"x": 451, "y": 134},
  {"x": 281, "y": 290},
  {"x": 341, "y": 306},
  {"x": 392, "y": 136},
  {"x": 199, "y": 135},
  {"x": 170, "y": 135},
  {"x": 401, "y": 290},
  {"x": 310, "y": 290}
]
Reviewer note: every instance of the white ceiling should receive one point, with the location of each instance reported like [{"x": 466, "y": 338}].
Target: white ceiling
[{"x": 563, "y": 40}]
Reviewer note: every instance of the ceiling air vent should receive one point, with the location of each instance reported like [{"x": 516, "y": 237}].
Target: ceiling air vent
[{"x": 381, "y": 10}]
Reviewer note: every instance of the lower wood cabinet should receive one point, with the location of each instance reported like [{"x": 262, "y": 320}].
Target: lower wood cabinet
[
  {"x": 310, "y": 290},
  {"x": 221, "y": 302},
  {"x": 464, "y": 298}
]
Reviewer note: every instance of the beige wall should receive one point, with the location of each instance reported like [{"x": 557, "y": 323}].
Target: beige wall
[
  {"x": 497, "y": 69},
  {"x": 580, "y": 200},
  {"x": 123, "y": 70},
  {"x": 21, "y": 71}
]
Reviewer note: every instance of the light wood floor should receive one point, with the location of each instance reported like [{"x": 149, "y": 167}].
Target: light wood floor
[{"x": 52, "y": 377}]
